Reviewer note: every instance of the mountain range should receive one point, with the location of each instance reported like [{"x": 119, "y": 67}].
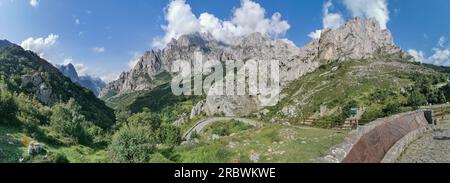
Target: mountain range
[
  {"x": 357, "y": 39},
  {"x": 138, "y": 118},
  {"x": 92, "y": 83}
]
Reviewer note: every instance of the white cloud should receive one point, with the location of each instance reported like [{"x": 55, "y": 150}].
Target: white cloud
[
  {"x": 330, "y": 20},
  {"x": 180, "y": 20},
  {"x": 418, "y": 55},
  {"x": 99, "y": 49},
  {"x": 134, "y": 60},
  {"x": 77, "y": 21},
  {"x": 440, "y": 56},
  {"x": 249, "y": 18},
  {"x": 110, "y": 77},
  {"x": 442, "y": 41},
  {"x": 80, "y": 68},
  {"x": 34, "y": 3},
  {"x": 377, "y": 9},
  {"x": 315, "y": 35},
  {"x": 40, "y": 45}
]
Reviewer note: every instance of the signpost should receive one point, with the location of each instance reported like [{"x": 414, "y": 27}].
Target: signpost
[{"x": 354, "y": 113}]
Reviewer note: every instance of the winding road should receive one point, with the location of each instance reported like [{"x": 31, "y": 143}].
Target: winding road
[{"x": 202, "y": 124}]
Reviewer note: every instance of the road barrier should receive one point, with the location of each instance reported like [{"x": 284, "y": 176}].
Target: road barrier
[{"x": 387, "y": 136}]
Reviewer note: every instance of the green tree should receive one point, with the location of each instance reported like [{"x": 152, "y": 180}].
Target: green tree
[
  {"x": 121, "y": 118},
  {"x": 133, "y": 144},
  {"x": 8, "y": 107},
  {"x": 446, "y": 92},
  {"x": 416, "y": 99},
  {"x": 391, "y": 108},
  {"x": 346, "y": 111},
  {"x": 169, "y": 134},
  {"x": 145, "y": 118},
  {"x": 67, "y": 120}
]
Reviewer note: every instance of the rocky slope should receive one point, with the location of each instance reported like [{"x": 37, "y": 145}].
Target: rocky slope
[
  {"x": 89, "y": 82},
  {"x": 357, "y": 39}
]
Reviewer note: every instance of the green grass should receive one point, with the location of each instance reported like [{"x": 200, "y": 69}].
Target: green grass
[
  {"x": 11, "y": 153},
  {"x": 275, "y": 143},
  {"x": 11, "y": 149},
  {"x": 224, "y": 128}
]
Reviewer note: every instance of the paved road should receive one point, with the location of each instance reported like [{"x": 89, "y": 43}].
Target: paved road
[
  {"x": 202, "y": 124},
  {"x": 433, "y": 147}
]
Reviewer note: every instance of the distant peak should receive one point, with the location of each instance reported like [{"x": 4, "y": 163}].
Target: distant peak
[
  {"x": 193, "y": 39},
  {"x": 5, "y": 43}
]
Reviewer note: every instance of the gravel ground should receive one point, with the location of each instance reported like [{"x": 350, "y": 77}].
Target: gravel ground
[{"x": 433, "y": 147}]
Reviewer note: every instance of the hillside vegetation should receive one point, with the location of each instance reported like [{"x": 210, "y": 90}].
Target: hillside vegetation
[
  {"x": 48, "y": 84},
  {"x": 377, "y": 86}
]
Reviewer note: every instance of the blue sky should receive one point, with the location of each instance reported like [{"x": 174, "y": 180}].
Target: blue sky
[{"x": 102, "y": 36}]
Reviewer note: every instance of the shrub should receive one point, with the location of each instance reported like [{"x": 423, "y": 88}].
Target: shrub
[
  {"x": 145, "y": 118},
  {"x": 8, "y": 107},
  {"x": 221, "y": 131},
  {"x": 133, "y": 144},
  {"x": 392, "y": 108},
  {"x": 416, "y": 99},
  {"x": 195, "y": 135},
  {"x": 67, "y": 120},
  {"x": 169, "y": 134},
  {"x": 446, "y": 92},
  {"x": 57, "y": 158},
  {"x": 371, "y": 114}
]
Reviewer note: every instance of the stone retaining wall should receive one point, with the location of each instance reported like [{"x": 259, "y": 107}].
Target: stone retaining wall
[
  {"x": 371, "y": 143},
  {"x": 396, "y": 151}
]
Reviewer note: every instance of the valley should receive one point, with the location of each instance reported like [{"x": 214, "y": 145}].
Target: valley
[{"x": 351, "y": 73}]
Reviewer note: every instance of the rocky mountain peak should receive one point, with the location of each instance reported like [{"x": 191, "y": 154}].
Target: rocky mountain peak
[
  {"x": 191, "y": 40},
  {"x": 89, "y": 82},
  {"x": 69, "y": 71},
  {"x": 358, "y": 38}
]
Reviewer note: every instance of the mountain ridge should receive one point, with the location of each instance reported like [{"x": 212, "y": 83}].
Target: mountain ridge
[
  {"x": 33, "y": 75},
  {"x": 356, "y": 39}
]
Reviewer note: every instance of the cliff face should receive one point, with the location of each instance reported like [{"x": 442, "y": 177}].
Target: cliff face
[{"x": 357, "y": 39}]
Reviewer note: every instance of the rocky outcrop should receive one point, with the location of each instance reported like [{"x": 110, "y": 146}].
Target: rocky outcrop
[
  {"x": 40, "y": 89},
  {"x": 69, "y": 71},
  {"x": 197, "y": 110},
  {"x": 357, "y": 39}
]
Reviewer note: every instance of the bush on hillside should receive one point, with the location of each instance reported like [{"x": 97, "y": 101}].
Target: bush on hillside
[
  {"x": 145, "y": 118},
  {"x": 67, "y": 120},
  {"x": 170, "y": 135},
  {"x": 133, "y": 144},
  {"x": 8, "y": 107}
]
